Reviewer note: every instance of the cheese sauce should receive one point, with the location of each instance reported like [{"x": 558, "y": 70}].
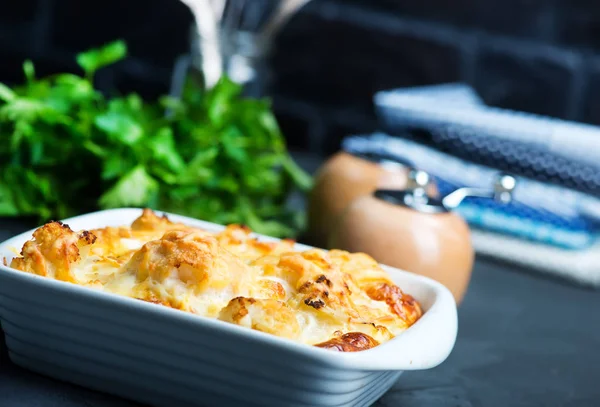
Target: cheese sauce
[{"x": 312, "y": 297}]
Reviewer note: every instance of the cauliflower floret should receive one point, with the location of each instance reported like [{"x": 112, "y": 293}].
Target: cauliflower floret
[
  {"x": 270, "y": 316},
  {"x": 52, "y": 252}
]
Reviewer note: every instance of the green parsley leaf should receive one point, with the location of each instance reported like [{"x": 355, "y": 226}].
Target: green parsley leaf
[
  {"x": 121, "y": 127},
  {"x": 211, "y": 154},
  {"x": 93, "y": 60},
  {"x": 136, "y": 188}
]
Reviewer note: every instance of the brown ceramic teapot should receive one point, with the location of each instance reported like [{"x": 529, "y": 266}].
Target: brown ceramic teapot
[
  {"x": 412, "y": 231},
  {"x": 345, "y": 177}
]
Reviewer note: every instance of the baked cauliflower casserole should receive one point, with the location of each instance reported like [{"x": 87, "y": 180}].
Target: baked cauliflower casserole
[{"x": 331, "y": 299}]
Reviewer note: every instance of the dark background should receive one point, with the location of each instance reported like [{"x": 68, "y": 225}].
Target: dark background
[
  {"x": 540, "y": 56},
  {"x": 521, "y": 341}
]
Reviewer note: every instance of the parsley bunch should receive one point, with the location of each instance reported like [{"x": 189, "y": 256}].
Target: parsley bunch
[{"x": 67, "y": 149}]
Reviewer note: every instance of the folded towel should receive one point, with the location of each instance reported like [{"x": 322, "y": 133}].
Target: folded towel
[
  {"x": 456, "y": 93},
  {"x": 580, "y": 266},
  {"x": 518, "y": 158},
  {"x": 440, "y": 108}
]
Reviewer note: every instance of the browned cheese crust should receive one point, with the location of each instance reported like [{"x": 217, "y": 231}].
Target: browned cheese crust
[
  {"x": 350, "y": 342},
  {"x": 334, "y": 299}
]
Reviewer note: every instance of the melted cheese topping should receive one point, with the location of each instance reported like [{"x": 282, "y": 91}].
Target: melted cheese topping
[{"x": 332, "y": 299}]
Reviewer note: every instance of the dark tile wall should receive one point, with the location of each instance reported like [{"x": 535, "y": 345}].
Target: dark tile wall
[
  {"x": 51, "y": 32},
  {"x": 538, "y": 56},
  {"x": 541, "y": 56}
]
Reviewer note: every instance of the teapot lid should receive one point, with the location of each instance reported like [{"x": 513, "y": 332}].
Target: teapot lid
[{"x": 415, "y": 195}]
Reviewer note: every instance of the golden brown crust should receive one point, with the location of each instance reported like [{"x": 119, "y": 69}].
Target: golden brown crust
[
  {"x": 238, "y": 239},
  {"x": 271, "y": 289},
  {"x": 150, "y": 221},
  {"x": 270, "y": 316},
  {"x": 363, "y": 268},
  {"x": 52, "y": 251},
  {"x": 151, "y": 298},
  {"x": 350, "y": 342},
  {"x": 403, "y": 305},
  {"x": 311, "y": 296},
  {"x": 371, "y": 278},
  {"x": 319, "y": 282},
  {"x": 192, "y": 255}
]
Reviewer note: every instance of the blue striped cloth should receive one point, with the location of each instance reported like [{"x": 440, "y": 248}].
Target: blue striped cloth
[
  {"x": 453, "y": 118},
  {"x": 519, "y": 158}
]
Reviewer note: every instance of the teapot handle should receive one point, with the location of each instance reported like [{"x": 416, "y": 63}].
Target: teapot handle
[
  {"x": 501, "y": 191},
  {"x": 415, "y": 195}
]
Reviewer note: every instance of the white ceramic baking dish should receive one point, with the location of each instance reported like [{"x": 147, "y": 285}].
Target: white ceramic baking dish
[{"x": 165, "y": 357}]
